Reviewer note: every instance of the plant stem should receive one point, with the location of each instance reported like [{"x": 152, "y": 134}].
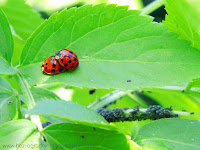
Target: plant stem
[
  {"x": 29, "y": 99},
  {"x": 189, "y": 86},
  {"x": 152, "y": 7},
  {"x": 187, "y": 115},
  {"x": 107, "y": 99}
]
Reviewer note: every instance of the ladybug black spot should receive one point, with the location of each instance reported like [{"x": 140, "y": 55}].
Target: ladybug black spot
[
  {"x": 73, "y": 64},
  {"x": 61, "y": 59},
  {"x": 46, "y": 63},
  {"x": 53, "y": 70},
  {"x": 64, "y": 56},
  {"x": 54, "y": 65},
  {"x": 65, "y": 65},
  {"x": 60, "y": 69},
  {"x": 69, "y": 61},
  {"x": 60, "y": 65},
  {"x": 45, "y": 67},
  {"x": 74, "y": 59},
  {"x": 71, "y": 52},
  {"x": 70, "y": 56},
  {"x": 72, "y": 67}
]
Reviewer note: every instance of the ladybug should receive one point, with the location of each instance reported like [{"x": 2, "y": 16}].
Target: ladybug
[
  {"x": 67, "y": 59},
  {"x": 52, "y": 66}
]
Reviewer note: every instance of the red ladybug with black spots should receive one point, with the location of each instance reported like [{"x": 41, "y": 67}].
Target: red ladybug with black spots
[
  {"x": 67, "y": 59},
  {"x": 52, "y": 66}
]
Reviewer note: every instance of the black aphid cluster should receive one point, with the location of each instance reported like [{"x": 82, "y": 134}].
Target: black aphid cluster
[{"x": 131, "y": 114}]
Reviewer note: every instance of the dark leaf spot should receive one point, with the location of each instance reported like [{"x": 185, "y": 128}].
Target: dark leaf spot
[
  {"x": 92, "y": 91},
  {"x": 128, "y": 81},
  {"x": 82, "y": 136}
]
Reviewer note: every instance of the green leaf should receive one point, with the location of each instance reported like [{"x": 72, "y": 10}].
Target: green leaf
[
  {"x": 18, "y": 46},
  {"x": 7, "y": 102},
  {"x": 6, "y": 40},
  {"x": 40, "y": 94},
  {"x": 179, "y": 19},
  {"x": 23, "y": 131},
  {"x": 66, "y": 110},
  {"x": 5, "y": 68},
  {"x": 78, "y": 136},
  {"x": 22, "y": 18},
  {"x": 165, "y": 134},
  {"x": 113, "y": 45}
]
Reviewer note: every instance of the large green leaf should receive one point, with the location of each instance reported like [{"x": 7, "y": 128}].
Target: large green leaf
[
  {"x": 114, "y": 46},
  {"x": 22, "y": 18},
  {"x": 7, "y": 102},
  {"x": 183, "y": 18},
  {"x": 6, "y": 40},
  {"x": 165, "y": 134},
  {"x": 66, "y": 110},
  {"x": 78, "y": 136},
  {"x": 6, "y": 46},
  {"x": 20, "y": 134}
]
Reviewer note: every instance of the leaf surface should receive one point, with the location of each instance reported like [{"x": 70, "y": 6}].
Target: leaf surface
[
  {"x": 116, "y": 48},
  {"x": 179, "y": 134},
  {"x": 6, "y": 40},
  {"x": 66, "y": 110},
  {"x": 7, "y": 102},
  {"x": 78, "y": 136},
  {"x": 17, "y": 132},
  {"x": 183, "y": 18}
]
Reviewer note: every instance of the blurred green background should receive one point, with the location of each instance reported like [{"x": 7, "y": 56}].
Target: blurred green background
[{"x": 48, "y": 7}]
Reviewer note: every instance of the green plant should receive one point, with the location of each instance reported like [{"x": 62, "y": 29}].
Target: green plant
[{"x": 126, "y": 57}]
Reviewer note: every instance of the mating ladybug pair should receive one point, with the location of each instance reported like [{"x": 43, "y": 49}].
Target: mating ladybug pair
[{"x": 63, "y": 60}]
